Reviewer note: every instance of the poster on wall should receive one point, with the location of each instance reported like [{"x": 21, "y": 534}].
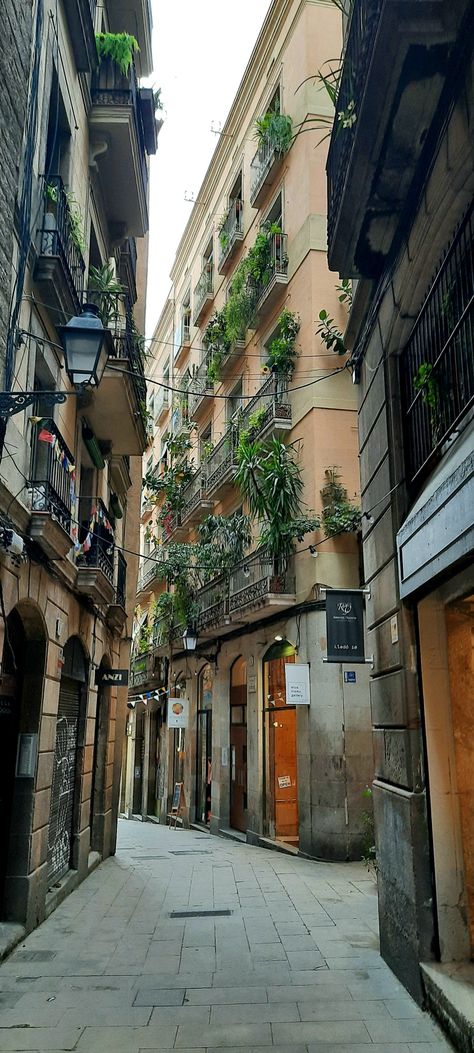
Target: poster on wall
[
  {"x": 345, "y": 625},
  {"x": 297, "y": 684},
  {"x": 178, "y": 712}
]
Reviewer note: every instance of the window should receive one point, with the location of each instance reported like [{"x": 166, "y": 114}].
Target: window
[
  {"x": 275, "y": 213},
  {"x": 205, "y": 439},
  {"x": 208, "y": 258},
  {"x": 186, "y": 318},
  {"x": 234, "y": 402}
]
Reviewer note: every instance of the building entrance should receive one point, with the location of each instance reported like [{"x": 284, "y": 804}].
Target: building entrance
[
  {"x": 204, "y": 746},
  {"x": 62, "y": 816},
  {"x": 281, "y": 776},
  {"x": 238, "y": 745}
]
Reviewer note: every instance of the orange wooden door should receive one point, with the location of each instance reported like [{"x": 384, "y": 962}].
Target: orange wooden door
[{"x": 282, "y": 761}]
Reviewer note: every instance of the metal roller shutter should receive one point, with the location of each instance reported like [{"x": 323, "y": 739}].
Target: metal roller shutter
[{"x": 64, "y": 778}]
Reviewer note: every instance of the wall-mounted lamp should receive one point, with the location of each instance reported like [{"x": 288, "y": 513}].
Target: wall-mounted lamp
[{"x": 313, "y": 551}]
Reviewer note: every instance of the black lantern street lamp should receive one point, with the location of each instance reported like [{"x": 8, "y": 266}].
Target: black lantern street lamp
[
  {"x": 86, "y": 346},
  {"x": 190, "y": 638}
]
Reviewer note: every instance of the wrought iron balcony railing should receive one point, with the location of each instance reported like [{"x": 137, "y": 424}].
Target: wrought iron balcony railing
[
  {"x": 276, "y": 271},
  {"x": 213, "y": 603},
  {"x": 203, "y": 292},
  {"x": 231, "y": 232},
  {"x": 193, "y": 494},
  {"x": 257, "y": 577},
  {"x": 111, "y": 87},
  {"x": 51, "y": 480},
  {"x": 121, "y": 586},
  {"x": 437, "y": 363},
  {"x": 221, "y": 464},
  {"x": 97, "y": 539},
  {"x": 200, "y": 386},
  {"x": 59, "y": 236},
  {"x": 359, "y": 42},
  {"x": 269, "y": 409},
  {"x": 148, "y": 571}
]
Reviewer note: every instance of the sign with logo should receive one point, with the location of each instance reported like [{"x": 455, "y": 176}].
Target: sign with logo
[
  {"x": 350, "y": 676},
  {"x": 111, "y": 677},
  {"x": 297, "y": 684},
  {"x": 345, "y": 625},
  {"x": 178, "y": 712}
]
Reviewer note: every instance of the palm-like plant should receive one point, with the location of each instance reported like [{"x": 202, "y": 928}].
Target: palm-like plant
[{"x": 270, "y": 481}]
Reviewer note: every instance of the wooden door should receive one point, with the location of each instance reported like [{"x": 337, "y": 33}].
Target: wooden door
[
  {"x": 281, "y": 766},
  {"x": 238, "y": 758}
]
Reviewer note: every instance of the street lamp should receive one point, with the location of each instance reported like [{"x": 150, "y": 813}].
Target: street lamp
[
  {"x": 190, "y": 638},
  {"x": 86, "y": 346}
]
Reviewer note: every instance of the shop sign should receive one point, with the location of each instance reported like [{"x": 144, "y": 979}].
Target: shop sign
[
  {"x": 178, "y": 712},
  {"x": 111, "y": 677},
  {"x": 345, "y": 625},
  {"x": 297, "y": 684}
]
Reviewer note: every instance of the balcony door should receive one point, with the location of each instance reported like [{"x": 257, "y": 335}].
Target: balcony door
[
  {"x": 238, "y": 745},
  {"x": 281, "y": 771}
]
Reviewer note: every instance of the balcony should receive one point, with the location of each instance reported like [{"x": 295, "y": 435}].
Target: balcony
[
  {"x": 267, "y": 293},
  {"x": 255, "y": 586},
  {"x": 268, "y": 413},
  {"x": 148, "y": 572},
  {"x": 118, "y": 148},
  {"x": 51, "y": 491},
  {"x": 149, "y": 668},
  {"x": 162, "y": 404},
  {"x": 221, "y": 465},
  {"x": 201, "y": 389},
  {"x": 195, "y": 501},
  {"x": 95, "y": 560},
  {"x": 213, "y": 605},
  {"x": 135, "y": 16},
  {"x": 437, "y": 363},
  {"x": 80, "y": 15},
  {"x": 127, "y": 264},
  {"x": 396, "y": 62},
  {"x": 117, "y": 610},
  {"x": 203, "y": 293},
  {"x": 263, "y": 172},
  {"x": 115, "y": 408},
  {"x": 183, "y": 341},
  {"x": 59, "y": 268},
  {"x": 231, "y": 234}
]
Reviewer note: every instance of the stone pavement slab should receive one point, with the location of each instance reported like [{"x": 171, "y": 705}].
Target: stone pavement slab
[{"x": 293, "y": 968}]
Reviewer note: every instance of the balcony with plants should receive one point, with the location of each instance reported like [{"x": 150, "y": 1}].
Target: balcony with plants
[
  {"x": 274, "y": 134},
  {"x": 95, "y": 552},
  {"x": 52, "y": 490},
  {"x": 258, "y": 582},
  {"x": 203, "y": 292},
  {"x": 201, "y": 386},
  {"x": 271, "y": 277},
  {"x": 221, "y": 464},
  {"x": 231, "y": 234},
  {"x": 81, "y": 15},
  {"x": 59, "y": 267},
  {"x": 117, "y": 410},
  {"x": 121, "y": 117},
  {"x": 400, "y": 48},
  {"x": 437, "y": 362},
  {"x": 162, "y": 404}
]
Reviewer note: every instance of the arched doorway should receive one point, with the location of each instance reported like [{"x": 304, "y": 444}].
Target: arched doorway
[
  {"x": 69, "y": 736},
  {"x": 238, "y": 745},
  {"x": 23, "y": 663},
  {"x": 204, "y": 745},
  {"x": 281, "y": 775},
  {"x": 100, "y": 770}
]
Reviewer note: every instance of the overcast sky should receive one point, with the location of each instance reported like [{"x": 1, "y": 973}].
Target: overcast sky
[{"x": 200, "y": 53}]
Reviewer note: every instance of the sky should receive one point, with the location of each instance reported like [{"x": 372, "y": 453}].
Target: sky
[{"x": 200, "y": 53}]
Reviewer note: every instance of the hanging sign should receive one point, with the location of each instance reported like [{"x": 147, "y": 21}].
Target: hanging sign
[
  {"x": 345, "y": 625},
  {"x": 297, "y": 684},
  {"x": 178, "y": 712},
  {"x": 111, "y": 677}
]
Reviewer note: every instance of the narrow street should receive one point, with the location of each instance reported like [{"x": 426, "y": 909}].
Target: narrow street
[{"x": 183, "y": 941}]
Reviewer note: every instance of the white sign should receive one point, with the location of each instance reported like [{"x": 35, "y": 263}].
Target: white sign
[
  {"x": 297, "y": 684},
  {"x": 178, "y": 712},
  {"x": 224, "y": 756},
  {"x": 26, "y": 756},
  {"x": 284, "y": 780}
]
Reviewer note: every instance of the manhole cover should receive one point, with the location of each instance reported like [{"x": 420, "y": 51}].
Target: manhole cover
[
  {"x": 35, "y": 956},
  {"x": 200, "y": 913}
]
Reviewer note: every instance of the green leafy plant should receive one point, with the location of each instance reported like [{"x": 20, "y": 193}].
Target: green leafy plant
[
  {"x": 106, "y": 289},
  {"x": 206, "y": 451},
  {"x": 253, "y": 272},
  {"x": 270, "y": 481},
  {"x": 330, "y": 335},
  {"x": 118, "y": 47},
  {"x": 157, "y": 100},
  {"x": 282, "y": 353},
  {"x": 275, "y": 130},
  {"x": 339, "y": 515},
  {"x": 344, "y": 290},
  {"x": 76, "y": 222},
  {"x": 426, "y": 382},
  {"x": 223, "y": 541}
]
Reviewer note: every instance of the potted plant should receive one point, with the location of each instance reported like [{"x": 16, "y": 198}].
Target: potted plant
[{"x": 118, "y": 48}]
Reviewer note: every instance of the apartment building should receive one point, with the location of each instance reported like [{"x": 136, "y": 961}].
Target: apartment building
[
  {"x": 78, "y": 131},
  {"x": 249, "y": 762},
  {"x": 400, "y": 222}
]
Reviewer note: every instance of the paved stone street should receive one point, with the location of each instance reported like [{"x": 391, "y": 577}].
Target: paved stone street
[{"x": 131, "y": 961}]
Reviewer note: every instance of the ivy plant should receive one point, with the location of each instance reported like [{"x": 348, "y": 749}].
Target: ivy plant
[{"x": 339, "y": 515}]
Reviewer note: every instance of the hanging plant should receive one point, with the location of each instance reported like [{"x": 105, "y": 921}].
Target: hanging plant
[
  {"x": 106, "y": 289},
  {"x": 339, "y": 515},
  {"x": 282, "y": 353},
  {"x": 118, "y": 47}
]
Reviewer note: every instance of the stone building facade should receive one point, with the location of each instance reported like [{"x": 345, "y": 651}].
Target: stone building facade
[
  {"x": 70, "y": 465},
  {"x": 400, "y": 223},
  {"x": 250, "y": 763}
]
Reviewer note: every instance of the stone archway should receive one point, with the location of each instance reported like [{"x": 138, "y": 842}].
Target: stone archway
[{"x": 21, "y": 764}]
